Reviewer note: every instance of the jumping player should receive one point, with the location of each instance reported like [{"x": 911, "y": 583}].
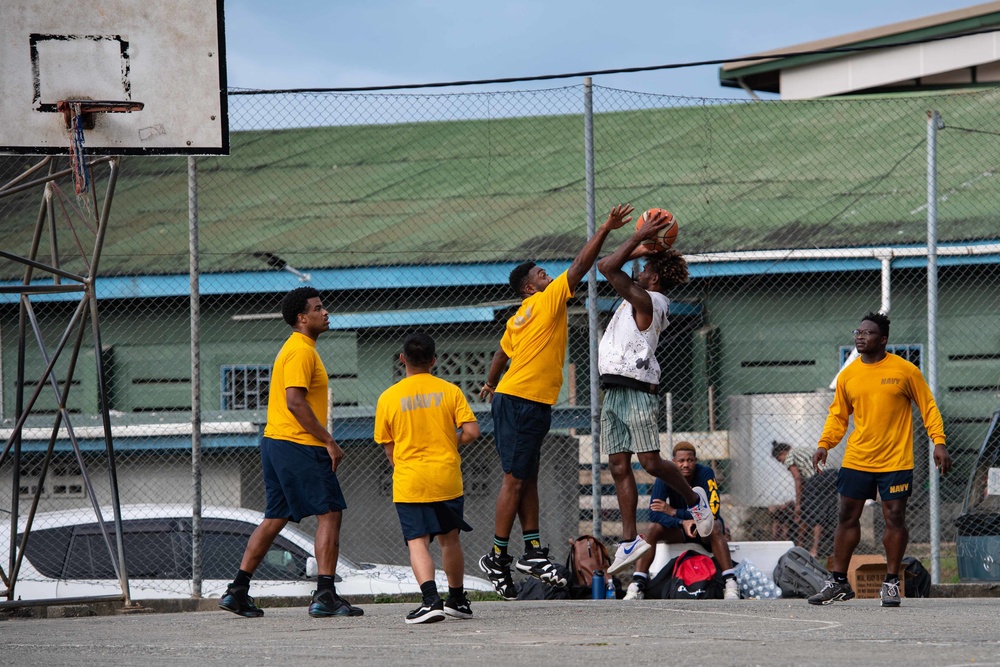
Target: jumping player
[
  {"x": 630, "y": 375},
  {"x": 534, "y": 344}
]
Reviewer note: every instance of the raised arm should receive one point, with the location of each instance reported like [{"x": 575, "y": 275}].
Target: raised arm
[
  {"x": 618, "y": 217},
  {"x": 611, "y": 268}
]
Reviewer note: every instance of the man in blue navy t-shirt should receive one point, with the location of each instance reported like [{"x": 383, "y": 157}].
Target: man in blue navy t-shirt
[{"x": 670, "y": 521}]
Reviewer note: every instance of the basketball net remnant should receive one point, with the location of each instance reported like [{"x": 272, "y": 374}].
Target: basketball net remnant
[{"x": 79, "y": 115}]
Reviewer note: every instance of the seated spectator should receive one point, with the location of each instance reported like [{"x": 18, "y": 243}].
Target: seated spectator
[
  {"x": 670, "y": 521},
  {"x": 816, "y": 501}
]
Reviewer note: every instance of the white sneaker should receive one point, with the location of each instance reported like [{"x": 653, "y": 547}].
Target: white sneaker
[
  {"x": 702, "y": 513},
  {"x": 629, "y": 552},
  {"x": 634, "y": 592},
  {"x": 732, "y": 589}
]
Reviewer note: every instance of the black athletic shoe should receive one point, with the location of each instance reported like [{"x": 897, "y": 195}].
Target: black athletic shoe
[
  {"x": 427, "y": 613},
  {"x": 458, "y": 607},
  {"x": 237, "y": 601},
  {"x": 536, "y": 563},
  {"x": 497, "y": 569},
  {"x": 832, "y": 591},
  {"x": 889, "y": 594},
  {"x": 328, "y": 603}
]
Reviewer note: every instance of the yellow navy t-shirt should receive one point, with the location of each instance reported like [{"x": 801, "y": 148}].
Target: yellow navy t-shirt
[
  {"x": 297, "y": 365},
  {"x": 535, "y": 340},
  {"x": 879, "y": 396},
  {"x": 420, "y": 415}
]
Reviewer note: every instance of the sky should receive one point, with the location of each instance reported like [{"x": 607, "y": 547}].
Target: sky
[{"x": 357, "y": 43}]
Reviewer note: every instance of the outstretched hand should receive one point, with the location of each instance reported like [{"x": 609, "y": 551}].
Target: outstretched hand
[
  {"x": 619, "y": 216},
  {"x": 655, "y": 224}
]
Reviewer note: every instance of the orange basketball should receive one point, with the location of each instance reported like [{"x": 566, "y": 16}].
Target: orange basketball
[{"x": 665, "y": 237}]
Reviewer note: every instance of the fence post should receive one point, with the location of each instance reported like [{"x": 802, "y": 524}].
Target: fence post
[
  {"x": 934, "y": 123},
  {"x": 195, "y": 306},
  {"x": 595, "y": 403}
]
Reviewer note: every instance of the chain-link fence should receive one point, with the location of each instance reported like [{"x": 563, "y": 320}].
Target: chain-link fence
[{"x": 408, "y": 212}]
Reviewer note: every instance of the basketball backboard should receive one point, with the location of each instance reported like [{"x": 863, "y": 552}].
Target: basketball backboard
[{"x": 167, "y": 56}]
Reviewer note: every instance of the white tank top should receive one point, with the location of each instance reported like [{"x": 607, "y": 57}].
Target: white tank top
[{"x": 631, "y": 353}]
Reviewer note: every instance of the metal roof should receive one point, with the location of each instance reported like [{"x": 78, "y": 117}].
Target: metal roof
[{"x": 761, "y": 71}]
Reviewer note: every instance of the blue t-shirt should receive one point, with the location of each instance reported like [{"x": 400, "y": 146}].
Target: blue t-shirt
[{"x": 704, "y": 477}]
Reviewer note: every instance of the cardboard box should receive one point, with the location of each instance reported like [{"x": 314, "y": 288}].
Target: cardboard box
[{"x": 866, "y": 574}]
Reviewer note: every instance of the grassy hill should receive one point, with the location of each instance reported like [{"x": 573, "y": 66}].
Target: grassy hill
[{"x": 742, "y": 176}]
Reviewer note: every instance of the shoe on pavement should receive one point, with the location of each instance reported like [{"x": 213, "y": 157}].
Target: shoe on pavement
[
  {"x": 732, "y": 591},
  {"x": 237, "y": 601},
  {"x": 634, "y": 592},
  {"x": 327, "y": 603},
  {"x": 458, "y": 607},
  {"x": 497, "y": 569},
  {"x": 537, "y": 564},
  {"x": 427, "y": 613},
  {"x": 889, "y": 594},
  {"x": 702, "y": 513},
  {"x": 629, "y": 552},
  {"x": 832, "y": 591}
]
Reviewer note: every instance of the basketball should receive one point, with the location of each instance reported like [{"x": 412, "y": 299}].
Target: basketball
[{"x": 665, "y": 237}]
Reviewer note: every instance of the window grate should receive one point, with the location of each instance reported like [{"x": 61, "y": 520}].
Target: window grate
[{"x": 245, "y": 387}]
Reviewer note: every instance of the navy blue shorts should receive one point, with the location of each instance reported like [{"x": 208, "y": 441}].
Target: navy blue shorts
[
  {"x": 298, "y": 480},
  {"x": 419, "y": 519},
  {"x": 519, "y": 427},
  {"x": 863, "y": 485}
]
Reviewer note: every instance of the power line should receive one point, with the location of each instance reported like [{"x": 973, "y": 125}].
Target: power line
[
  {"x": 623, "y": 70},
  {"x": 971, "y": 130}
]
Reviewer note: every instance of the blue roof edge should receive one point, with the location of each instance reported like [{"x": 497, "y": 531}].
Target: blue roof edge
[{"x": 451, "y": 275}]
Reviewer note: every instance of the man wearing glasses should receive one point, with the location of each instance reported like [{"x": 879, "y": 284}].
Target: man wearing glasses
[{"x": 877, "y": 388}]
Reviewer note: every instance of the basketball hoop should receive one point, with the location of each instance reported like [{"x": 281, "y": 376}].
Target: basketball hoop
[{"x": 79, "y": 116}]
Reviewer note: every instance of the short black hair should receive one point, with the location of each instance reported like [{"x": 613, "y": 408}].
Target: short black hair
[
  {"x": 294, "y": 303},
  {"x": 419, "y": 349},
  {"x": 778, "y": 447},
  {"x": 881, "y": 320},
  {"x": 519, "y": 276}
]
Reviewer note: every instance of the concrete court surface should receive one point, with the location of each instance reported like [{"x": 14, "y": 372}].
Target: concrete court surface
[{"x": 927, "y": 631}]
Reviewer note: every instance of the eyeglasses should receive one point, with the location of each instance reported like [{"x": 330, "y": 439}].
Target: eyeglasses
[{"x": 863, "y": 332}]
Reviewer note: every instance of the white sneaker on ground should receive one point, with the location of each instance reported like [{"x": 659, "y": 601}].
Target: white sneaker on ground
[
  {"x": 702, "y": 513},
  {"x": 634, "y": 592},
  {"x": 732, "y": 589},
  {"x": 629, "y": 552}
]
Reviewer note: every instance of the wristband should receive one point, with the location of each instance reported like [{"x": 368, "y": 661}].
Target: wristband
[{"x": 491, "y": 387}]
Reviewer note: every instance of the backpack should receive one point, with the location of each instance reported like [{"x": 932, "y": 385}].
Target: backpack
[
  {"x": 533, "y": 589},
  {"x": 689, "y": 576},
  {"x": 586, "y": 554},
  {"x": 918, "y": 579},
  {"x": 798, "y": 574}
]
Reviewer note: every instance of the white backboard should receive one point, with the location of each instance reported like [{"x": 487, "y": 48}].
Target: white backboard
[{"x": 167, "y": 54}]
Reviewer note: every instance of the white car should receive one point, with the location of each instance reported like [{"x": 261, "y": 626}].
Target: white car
[{"x": 68, "y": 557}]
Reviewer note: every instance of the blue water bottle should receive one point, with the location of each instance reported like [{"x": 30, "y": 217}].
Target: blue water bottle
[
  {"x": 597, "y": 590},
  {"x": 611, "y": 589}
]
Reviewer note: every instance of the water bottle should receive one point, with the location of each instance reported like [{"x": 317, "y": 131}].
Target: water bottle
[
  {"x": 597, "y": 589},
  {"x": 611, "y": 589}
]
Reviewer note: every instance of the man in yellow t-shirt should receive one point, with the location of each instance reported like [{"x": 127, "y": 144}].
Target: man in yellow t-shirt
[
  {"x": 416, "y": 421},
  {"x": 299, "y": 460},
  {"x": 534, "y": 343},
  {"x": 877, "y": 388}
]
